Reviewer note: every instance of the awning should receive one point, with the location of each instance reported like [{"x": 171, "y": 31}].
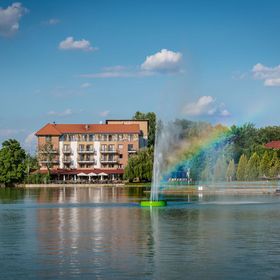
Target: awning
[
  {"x": 103, "y": 174},
  {"x": 82, "y": 174}
]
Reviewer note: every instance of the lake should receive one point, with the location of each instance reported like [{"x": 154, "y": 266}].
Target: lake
[{"x": 102, "y": 233}]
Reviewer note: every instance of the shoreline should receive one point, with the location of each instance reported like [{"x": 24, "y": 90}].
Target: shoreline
[
  {"x": 40, "y": 186},
  {"x": 182, "y": 190}
]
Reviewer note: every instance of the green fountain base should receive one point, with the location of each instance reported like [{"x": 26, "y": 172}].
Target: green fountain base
[{"x": 151, "y": 203}]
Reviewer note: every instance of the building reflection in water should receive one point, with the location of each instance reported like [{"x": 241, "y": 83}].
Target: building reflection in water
[{"x": 84, "y": 232}]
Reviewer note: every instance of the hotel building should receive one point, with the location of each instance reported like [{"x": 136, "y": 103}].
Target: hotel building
[{"x": 90, "y": 148}]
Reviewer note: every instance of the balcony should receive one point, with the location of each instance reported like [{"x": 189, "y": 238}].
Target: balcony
[
  {"x": 86, "y": 151},
  {"x": 109, "y": 151},
  {"x": 66, "y": 160},
  {"x": 87, "y": 160},
  {"x": 66, "y": 151},
  {"x": 109, "y": 160}
]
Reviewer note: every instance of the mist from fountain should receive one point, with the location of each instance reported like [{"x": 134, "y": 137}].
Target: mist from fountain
[
  {"x": 176, "y": 152},
  {"x": 167, "y": 135}
]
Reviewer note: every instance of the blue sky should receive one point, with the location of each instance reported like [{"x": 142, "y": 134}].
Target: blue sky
[{"x": 85, "y": 61}]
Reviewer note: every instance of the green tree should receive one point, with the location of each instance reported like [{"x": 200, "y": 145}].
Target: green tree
[
  {"x": 252, "y": 168},
  {"x": 265, "y": 165},
  {"x": 12, "y": 163},
  {"x": 268, "y": 133},
  {"x": 151, "y": 117},
  {"x": 220, "y": 169},
  {"x": 140, "y": 166},
  {"x": 274, "y": 166},
  {"x": 241, "y": 168},
  {"x": 244, "y": 140},
  {"x": 230, "y": 170},
  {"x": 31, "y": 163}
]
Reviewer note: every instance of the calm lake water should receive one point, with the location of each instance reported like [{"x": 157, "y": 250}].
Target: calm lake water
[{"x": 95, "y": 233}]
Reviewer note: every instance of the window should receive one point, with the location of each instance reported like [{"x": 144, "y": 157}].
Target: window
[
  {"x": 103, "y": 147},
  {"x": 111, "y": 147},
  {"x": 120, "y": 155},
  {"x": 130, "y": 147},
  {"x": 110, "y": 137},
  {"x": 91, "y": 137},
  {"x": 120, "y": 146},
  {"x": 48, "y": 138},
  {"x": 66, "y": 147},
  {"x": 120, "y": 137},
  {"x": 89, "y": 148}
]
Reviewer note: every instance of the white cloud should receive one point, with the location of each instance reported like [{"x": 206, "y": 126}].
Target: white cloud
[
  {"x": 10, "y": 17},
  {"x": 52, "y": 21},
  {"x": 163, "y": 61},
  {"x": 104, "y": 113},
  {"x": 270, "y": 75},
  {"x": 85, "y": 85},
  {"x": 64, "y": 113},
  {"x": 206, "y": 106},
  {"x": 70, "y": 44}
]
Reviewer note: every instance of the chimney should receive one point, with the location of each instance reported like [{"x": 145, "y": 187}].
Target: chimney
[{"x": 87, "y": 126}]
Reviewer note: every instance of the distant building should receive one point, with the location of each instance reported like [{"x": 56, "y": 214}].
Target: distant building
[
  {"x": 91, "y": 148},
  {"x": 273, "y": 145}
]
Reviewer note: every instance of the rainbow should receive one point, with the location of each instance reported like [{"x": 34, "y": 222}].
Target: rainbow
[{"x": 192, "y": 153}]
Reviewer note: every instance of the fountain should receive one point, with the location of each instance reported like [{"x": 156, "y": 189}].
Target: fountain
[
  {"x": 154, "y": 197},
  {"x": 203, "y": 153},
  {"x": 164, "y": 140}
]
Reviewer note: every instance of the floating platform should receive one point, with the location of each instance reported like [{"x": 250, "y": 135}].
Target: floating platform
[{"x": 153, "y": 203}]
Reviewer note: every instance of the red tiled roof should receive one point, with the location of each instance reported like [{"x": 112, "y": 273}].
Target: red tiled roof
[
  {"x": 48, "y": 129},
  {"x": 59, "y": 129},
  {"x": 273, "y": 145}
]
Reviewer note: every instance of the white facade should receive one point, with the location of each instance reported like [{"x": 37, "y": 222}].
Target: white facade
[
  {"x": 96, "y": 146},
  {"x": 74, "y": 154}
]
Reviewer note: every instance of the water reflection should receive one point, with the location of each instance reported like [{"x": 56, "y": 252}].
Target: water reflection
[
  {"x": 86, "y": 239},
  {"x": 95, "y": 233}
]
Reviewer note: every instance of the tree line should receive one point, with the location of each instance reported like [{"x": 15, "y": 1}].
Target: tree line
[{"x": 239, "y": 153}]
